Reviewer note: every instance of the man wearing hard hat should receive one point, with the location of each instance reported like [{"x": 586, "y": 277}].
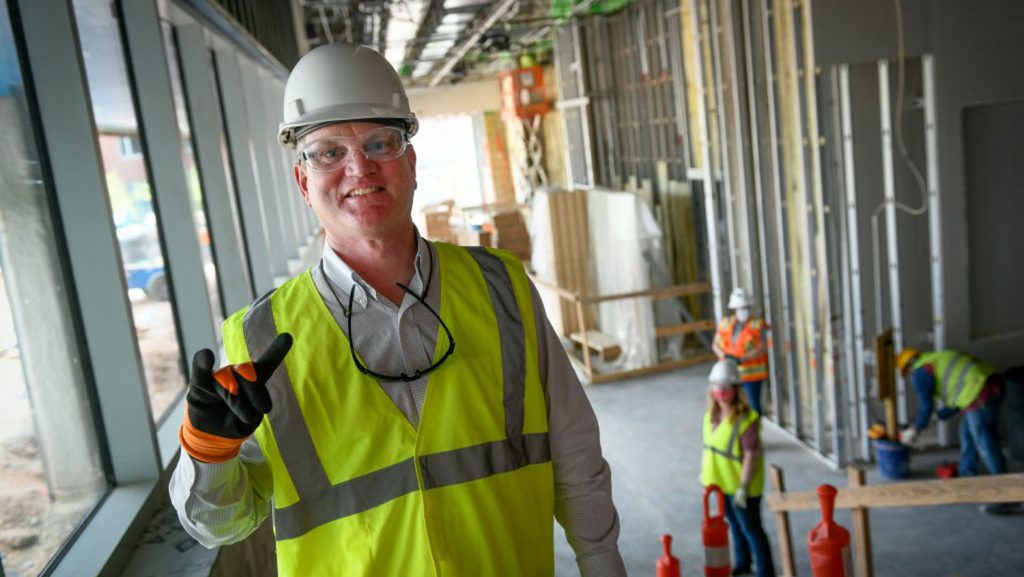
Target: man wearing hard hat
[
  {"x": 742, "y": 338},
  {"x": 964, "y": 384},
  {"x": 347, "y": 411}
]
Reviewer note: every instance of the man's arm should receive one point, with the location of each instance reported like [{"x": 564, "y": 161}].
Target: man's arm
[
  {"x": 716, "y": 345},
  {"x": 222, "y": 503},
  {"x": 924, "y": 383},
  {"x": 583, "y": 489}
]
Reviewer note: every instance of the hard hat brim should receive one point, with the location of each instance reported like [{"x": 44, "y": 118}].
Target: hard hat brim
[{"x": 348, "y": 113}]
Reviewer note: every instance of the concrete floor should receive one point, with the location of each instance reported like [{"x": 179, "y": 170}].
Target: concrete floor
[{"x": 650, "y": 431}]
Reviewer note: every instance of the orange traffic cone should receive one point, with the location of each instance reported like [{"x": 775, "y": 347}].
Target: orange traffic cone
[
  {"x": 829, "y": 543},
  {"x": 668, "y": 566},
  {"x": 715, "y": 537}
]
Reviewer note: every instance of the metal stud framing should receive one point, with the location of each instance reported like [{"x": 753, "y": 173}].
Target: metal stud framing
[
  {"x": 773, "y": 140},
  {"x": 854, "y": 315},
  {"x": 892, "y": 242},
  {"x": 931, "y": 142}
]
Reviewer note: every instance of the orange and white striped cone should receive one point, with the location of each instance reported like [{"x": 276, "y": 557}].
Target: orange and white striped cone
[{"x": 715, "y": 537}]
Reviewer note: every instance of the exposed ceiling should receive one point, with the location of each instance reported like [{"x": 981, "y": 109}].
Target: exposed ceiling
[{"x": 433, "y": 42}]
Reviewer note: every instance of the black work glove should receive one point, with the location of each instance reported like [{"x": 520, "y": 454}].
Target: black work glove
[{"x": 227, "y": 405}]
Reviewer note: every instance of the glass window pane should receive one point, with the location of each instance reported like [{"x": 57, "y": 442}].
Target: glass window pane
[
  {"x": 51, "y": 473},
  {"x": 195, "y": 192},
  {"x": 222, "y": 131},
  {"x": 131, "y": 202}
]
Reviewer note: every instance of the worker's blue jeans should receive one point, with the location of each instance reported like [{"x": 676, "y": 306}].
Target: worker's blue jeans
[
  {"x": 748, "y": 536},
  {"x": 979, "y": 433},
  {"x": 753, "y": 390}
]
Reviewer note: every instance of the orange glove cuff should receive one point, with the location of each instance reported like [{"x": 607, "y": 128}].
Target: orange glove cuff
[{"x": 204, "y": 446}]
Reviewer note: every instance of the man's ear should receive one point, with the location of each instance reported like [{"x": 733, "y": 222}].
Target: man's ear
[{"x": 300, "y": 179}]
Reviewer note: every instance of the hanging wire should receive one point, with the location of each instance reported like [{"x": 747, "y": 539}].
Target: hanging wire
[{"x": 900, "y": 87}]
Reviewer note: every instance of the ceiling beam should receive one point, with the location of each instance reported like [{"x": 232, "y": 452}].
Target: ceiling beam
[{"x": 496, "y": 15}]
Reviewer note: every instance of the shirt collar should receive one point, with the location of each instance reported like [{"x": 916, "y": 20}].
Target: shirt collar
[{"x": 341, "y": 275}]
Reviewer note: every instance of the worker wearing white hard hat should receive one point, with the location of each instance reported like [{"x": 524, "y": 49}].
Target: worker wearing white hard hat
[
  {"x": 364, "y": 473},
  {"x": 743, "y": 338},
  {"x": 733, "y": 459}
]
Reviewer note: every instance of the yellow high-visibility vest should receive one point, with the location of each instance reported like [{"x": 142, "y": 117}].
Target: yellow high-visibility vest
[
  {"x": 722, "y": 462},
  {"x": 959, "y": 377},
  {"x": 356, "y": 489}
]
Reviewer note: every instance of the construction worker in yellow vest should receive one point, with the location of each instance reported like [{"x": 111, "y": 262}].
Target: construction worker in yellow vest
[
  {"x": 962, "y": 384},
  {"x": 743, "y": 339},
  {"x": 402, "y": 407},
  {"x": 733, "y": 459}
]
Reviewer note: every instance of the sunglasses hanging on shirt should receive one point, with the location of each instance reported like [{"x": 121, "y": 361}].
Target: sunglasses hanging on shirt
[{"x": 416, "y": 375}]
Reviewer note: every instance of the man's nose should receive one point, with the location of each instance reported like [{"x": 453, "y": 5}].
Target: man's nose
[{"x": 357, "y": 164}]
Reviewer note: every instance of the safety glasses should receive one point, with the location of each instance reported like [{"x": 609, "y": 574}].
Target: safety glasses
[{"x": 334, "y": 152}]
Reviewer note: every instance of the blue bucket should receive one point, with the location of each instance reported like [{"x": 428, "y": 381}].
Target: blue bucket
[{"x": 893, "y": 459}]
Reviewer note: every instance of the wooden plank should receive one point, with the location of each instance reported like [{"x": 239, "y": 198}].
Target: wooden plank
[
  {"x": 602, "y": 343},
  {"x": 586, "y": 345},
  {"x": 565, "y": 294},
  {"x": 666, "y": 366},
  {"x": 655, "y": 294},
  {"x": 986, "y": 489},
  {"x": 782, "y": 524},
  {"x": 685, "y": 328},
  {"x": 556, "y": 207},
  {"x": 885, "y": 376},
  {"x": 861, "y": 529},
  {"x": 890, "y": 418}
]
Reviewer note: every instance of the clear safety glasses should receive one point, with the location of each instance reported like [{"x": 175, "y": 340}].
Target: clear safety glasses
[{"x": 334, "y": 152}]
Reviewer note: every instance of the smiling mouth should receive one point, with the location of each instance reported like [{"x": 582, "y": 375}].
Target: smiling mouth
[{"x": 363, "y": 191}]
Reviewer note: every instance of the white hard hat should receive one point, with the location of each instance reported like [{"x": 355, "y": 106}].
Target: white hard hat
[
  {"x": 739, "y": 299},
  {"x": 343, "y": 82},
  {"x": 724, "y": 373}
]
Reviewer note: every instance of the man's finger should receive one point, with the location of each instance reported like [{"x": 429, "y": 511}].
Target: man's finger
[
  {"x": 226, "y": 376},
  {"x": 240, "y": 406},
  {"x": 258, "y": 397},
  {"x": 272, "y": 357},
  {"x": 202, "y": 367}
]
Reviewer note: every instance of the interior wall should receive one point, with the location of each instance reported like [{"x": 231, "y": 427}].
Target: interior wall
[
  {"x": 995, "y": 204},
  {"x": 978, "y": 48}
]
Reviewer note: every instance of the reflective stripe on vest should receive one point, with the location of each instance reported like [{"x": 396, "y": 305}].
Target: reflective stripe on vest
[
  {"x": 748, "y": 339},
  {"x": 513, "y": 349},
  {"x": 319, "y": 502},
  {"x": 728, "y": 453},
  {"x": 959, "y": 382},
  {"x": 722, "y": 459},
  {"x": 958, "y": 376}
]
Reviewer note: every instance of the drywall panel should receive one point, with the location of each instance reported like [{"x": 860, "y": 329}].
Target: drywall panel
[
  {"x": 864, "y": 31},
  {"x": 978, "y": 50},
  {"x": 993, "y": 142}
]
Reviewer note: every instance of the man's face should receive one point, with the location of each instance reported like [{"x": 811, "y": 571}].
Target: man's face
[{"x": 364, "y": 197}]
